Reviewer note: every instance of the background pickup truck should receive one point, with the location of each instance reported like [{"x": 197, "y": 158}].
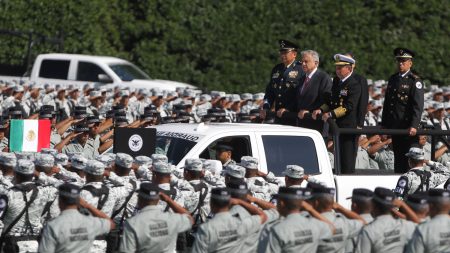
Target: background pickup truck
[
  {"x": 274, "y": 145},
  {"x": 65, "y": 69}
]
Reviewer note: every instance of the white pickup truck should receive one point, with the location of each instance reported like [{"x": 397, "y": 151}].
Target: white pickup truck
[
  {"x": 274, "y": 145},
  {"x": 65, "y": 69}
]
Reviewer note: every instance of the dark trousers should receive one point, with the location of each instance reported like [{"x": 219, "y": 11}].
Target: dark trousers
[
  {"x": 348, "y": 149},
  {"x": 311, "y": 124},
  {"x": 400, "y": 146}
]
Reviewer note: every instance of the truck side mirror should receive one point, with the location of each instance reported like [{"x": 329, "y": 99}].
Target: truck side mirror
[{"x": 103, "y": 78}]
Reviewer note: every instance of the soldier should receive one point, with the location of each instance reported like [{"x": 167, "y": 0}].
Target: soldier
[
  {"x": 153, "y": 230},
  {"x": 257, "y": 185},
  {"x": 234, "y": 172},
  {"x": 385, "y": 233},
  {"x": 296, "y": 232},
  {"x": 25, "y": 203},
  {"x": 100, "y": 195},
  {"x": 32, "y": 104},
  {"x": 143, "y": 164},
  {"x": 4, "y": 142},
  {"x": 226, "y": 232},
  {"x": 7, "y": 163},
  {"x": 224, "y": 153},
  {"x": 418, "y": 202},
  {"x": 382, "y": 153},
  {"x": 77, "y": 166},
  {"x": 347, "y": 224},
  {"x": 403, "y": 106},
  {"x": 362, "y": 205},
  {"x": 417, "y": 179},
  {"x": 77, "y": 142},
  {"x": 120, "y": 176},
  {"x": 294, "y": 176},
  {"x": 433, "y": 235},
  {"x": 343, "y": 107},
  {"x": 284, "y": 79},
  {"x": 93, "y": 123},
  {"x": 238, "y": 189},
  {"x": 195, "y": 191},
  {"x": 162, "y": 177},
  {"x": 71, "y": 231}
]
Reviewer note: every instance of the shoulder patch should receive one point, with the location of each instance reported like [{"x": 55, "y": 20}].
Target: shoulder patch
[
  {"x": 419, "y": 85},
  {"x": 401, "y": 185},
  {"x": 402, "y": 182}
]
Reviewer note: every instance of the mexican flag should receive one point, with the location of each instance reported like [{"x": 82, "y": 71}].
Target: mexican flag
[{"x": 29, "y": 135}]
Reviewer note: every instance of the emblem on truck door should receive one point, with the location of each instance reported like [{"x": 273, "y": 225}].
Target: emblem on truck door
[{"x": 135, "y": 142}]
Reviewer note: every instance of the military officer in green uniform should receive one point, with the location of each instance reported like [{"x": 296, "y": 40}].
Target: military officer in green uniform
[
  {"x": 72, "y": 231},
  {"x": 225, "y": 232},
  {"x": 297, "y": 232},
  {"x": 284, "y": 79},
  {"x": 152, "y": 229},
  {"x": 385, "y": 234},
  {"x": 434, "y": 235}
]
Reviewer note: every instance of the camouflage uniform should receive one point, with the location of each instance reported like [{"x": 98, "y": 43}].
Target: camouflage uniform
[
  {"x": 28, "y": 227},
  {"x": 418, "y": 179}
]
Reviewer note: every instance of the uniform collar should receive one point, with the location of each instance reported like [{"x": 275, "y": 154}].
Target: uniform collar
[
  {"x": 345, "y": 78},
  {"x": 150, "y": 208},
  {"x": 385, "y": 217},
  {"x": 403, "y": 75},
  {"x": 69, "y": 212}
]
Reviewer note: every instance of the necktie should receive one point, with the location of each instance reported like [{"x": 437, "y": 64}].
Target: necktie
[{"x": 305, "y": 84}]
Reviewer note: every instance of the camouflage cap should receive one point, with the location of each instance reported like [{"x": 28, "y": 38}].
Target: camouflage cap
[
  {"x": 416, "y": 153},
  {"x": 8, "y": 159},
  {"x": 294, "y": 171},
  {"x": 193, "y": 164},
  {"x": 25, "y": 155},
  {"x": 124, "y": 160},
  {"x": 94, "y": 167},
  {"x": 44, "y": 160},
  {"x": 50, "y": 151},
  {"x": 78, "y": 161},
  {"x": 162, "y": 167},
  {"x": 159, "y": 158},
  {"x": 61, "y": 159},
  {"x": 143, "y": 160},
  {"x": 214, "y": 166},
  {"x": 249, "y": 162},
  {"x": 106, "y": 160},
  {"x": 235, "y": 171},
  {"x": 25, "y": 167}
]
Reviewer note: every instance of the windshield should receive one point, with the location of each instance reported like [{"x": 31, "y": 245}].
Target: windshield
[
  {"x": 128, "y": 72},
  {"x": 174, "y": 148}
]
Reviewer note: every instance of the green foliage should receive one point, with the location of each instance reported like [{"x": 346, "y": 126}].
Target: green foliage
[{"x": 232, "y": 45}]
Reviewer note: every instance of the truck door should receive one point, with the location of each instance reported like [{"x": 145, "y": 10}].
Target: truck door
[
  {"x": 54, "y": 69},
  {"x": 88, "y": 72},
  {"x": 282, "y": 149}
]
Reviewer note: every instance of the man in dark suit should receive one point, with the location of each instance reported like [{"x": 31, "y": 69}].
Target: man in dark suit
[
  {"x": 315, "y": 84},
  {"x": 284, "y": 79},
  {"x": 343, "y": 107},
  {"x": 403, "y": 106}
]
